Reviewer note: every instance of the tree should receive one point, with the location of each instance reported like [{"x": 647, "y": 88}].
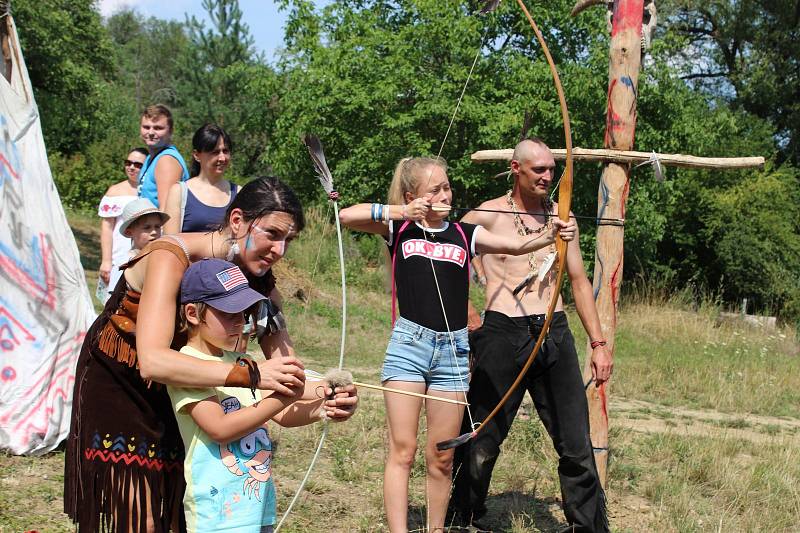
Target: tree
[
  {"x": 378, "y": 80},
  {"x": 70, "y": 62},
  {"x": 754, "y": 230},
  {"x": 745, "y": 51},
  {"x": 150, "y": 54},
  {"x": 224, "y": 80},
  {"x": 226, "y": 44}
]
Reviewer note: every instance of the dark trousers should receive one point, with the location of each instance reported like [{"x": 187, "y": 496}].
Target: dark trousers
[{"x": 500, "y": 349}]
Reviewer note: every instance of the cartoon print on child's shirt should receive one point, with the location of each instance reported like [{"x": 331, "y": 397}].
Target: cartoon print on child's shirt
[{"x": 249, "y": 456}]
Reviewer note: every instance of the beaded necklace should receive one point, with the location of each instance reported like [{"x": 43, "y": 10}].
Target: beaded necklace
[{"x": 523, "y": 230}]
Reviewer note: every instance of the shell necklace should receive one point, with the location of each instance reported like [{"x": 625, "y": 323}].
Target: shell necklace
[{"x": 524, "y": 230}]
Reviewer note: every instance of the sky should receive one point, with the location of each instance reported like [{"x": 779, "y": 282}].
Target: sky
[{"x": 262, "y": 16}]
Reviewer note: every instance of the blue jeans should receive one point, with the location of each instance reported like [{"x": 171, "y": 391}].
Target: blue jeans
[{"x": 418, "y": 354}]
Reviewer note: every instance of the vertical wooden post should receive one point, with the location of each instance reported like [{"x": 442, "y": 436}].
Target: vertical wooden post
[{"x": 623, "y": 76}]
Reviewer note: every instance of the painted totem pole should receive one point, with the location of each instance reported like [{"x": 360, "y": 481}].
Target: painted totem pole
[{"x": 624, "y": 64}]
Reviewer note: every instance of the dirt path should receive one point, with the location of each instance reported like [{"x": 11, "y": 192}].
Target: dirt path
[{"x": 646, "y": 417}]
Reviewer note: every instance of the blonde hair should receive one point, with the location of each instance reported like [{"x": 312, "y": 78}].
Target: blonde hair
[{"x": 409, "y": 173}]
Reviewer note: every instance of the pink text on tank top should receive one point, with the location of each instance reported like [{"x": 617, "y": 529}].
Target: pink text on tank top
[{"x": 438, "y": 252}]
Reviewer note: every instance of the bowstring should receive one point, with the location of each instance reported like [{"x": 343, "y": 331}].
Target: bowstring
[
  {"x": 450, "y": 335},
  {"x": 461, "y": 96},
  {"x": 425, "y": 235},
  {"x": 326, "y": 423},
  {"x": 316, "y": 264}
]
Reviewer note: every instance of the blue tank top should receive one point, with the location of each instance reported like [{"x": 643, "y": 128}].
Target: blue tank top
[
  {"x": 200, "y": 217},
  {"x": 147, "y": 176}
]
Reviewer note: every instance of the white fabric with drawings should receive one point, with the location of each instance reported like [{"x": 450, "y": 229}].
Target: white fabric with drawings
[{"x": 45, "y": 307}]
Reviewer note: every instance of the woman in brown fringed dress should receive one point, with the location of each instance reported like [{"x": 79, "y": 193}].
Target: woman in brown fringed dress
[{"x": 124, "y": 460}]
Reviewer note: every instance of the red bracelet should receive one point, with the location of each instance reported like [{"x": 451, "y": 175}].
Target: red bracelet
[{"x": 595, "y": 344}]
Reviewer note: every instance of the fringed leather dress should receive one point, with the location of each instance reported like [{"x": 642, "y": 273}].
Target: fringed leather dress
[{"x": 124, "y": 459}]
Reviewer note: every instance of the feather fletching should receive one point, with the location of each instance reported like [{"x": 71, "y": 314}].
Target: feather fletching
[{"x": 314, "y": 146}]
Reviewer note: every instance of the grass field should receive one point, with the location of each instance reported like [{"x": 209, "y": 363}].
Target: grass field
[{"x": 705, "y": 418}]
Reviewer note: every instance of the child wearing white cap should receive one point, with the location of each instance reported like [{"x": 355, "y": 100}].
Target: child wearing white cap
[{"x": 141, "y": 222}]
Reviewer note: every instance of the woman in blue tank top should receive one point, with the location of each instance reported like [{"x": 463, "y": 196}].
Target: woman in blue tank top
[
  {"x": 199, "y": 205},
  {"x": 164, "y": 166}
]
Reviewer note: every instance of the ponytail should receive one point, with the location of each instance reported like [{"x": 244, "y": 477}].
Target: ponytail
[{"x": 409, "y": 174}]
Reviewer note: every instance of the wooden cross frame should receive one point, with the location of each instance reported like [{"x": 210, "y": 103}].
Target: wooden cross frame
[{"x": 624, "y": 64}]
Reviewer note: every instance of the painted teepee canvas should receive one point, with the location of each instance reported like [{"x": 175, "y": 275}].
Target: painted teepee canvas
[{"x": 45, "y": 306}]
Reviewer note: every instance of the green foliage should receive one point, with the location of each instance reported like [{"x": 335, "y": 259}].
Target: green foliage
[
  {"x": 172, "y": 63},
  {"x": 754, "y": 232},
  {"x": 664, "y": 217},
  {"x": 223, "y": 80},
  {"x": 149, "y": 52},
  {"x": 316, "y": 252},
  {"x": 745, "y": 51},
  {"x": 70, "y": 62},
  {"x": 140, "y": 54},
  {"x": 377, "y": 80},
  {"x": 251, "y": 115},
  {"x": 211, "y": 52},
  {"x": 82, "y": 179}
]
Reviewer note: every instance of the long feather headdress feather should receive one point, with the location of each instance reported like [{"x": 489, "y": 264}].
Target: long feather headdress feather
[{"x": 314, "y": 146}]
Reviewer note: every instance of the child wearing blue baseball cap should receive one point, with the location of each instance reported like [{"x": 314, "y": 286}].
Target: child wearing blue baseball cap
[{"x": 228, "y": 461}]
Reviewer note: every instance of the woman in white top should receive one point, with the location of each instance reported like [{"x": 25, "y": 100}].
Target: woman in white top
[{"x": 113, "y": 245}]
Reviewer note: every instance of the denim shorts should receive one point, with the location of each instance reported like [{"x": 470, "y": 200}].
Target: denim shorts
[{"x": 416, "y": 353}]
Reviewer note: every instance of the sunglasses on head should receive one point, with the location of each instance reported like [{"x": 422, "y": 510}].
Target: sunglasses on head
[{"x": 135, "y": 164}]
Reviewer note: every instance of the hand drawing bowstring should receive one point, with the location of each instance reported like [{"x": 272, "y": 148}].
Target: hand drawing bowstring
[{"x": 564, "y": 201}]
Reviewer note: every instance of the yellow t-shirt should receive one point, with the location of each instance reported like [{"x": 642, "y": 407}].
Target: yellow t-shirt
[{"x": 229, "y": 487}]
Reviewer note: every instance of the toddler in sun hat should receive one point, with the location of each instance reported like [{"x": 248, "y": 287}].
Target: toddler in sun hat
[{"x": 142, "y": 222}]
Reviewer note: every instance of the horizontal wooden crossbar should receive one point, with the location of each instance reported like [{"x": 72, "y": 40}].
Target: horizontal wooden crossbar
[{"x": 631, "y": 157}]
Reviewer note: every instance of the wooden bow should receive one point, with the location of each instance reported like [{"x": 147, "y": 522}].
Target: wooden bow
[
  {"x": 564, "y": 204},
  {"x": 317, "y": 154}
]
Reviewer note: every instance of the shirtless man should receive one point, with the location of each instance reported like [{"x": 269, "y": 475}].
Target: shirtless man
[{"x": 518, "y": 292}]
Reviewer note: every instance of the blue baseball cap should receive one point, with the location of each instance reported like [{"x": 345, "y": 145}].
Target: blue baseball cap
[{"x": 219, "y": 284}]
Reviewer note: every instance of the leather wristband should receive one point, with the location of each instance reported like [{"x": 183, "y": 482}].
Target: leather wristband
[
  {"x": 245, "y": 373},
  {"x": 595, "y": 344}
]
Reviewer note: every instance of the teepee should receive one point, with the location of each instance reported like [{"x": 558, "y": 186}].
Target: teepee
[{"x": 45, "y": 307}]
